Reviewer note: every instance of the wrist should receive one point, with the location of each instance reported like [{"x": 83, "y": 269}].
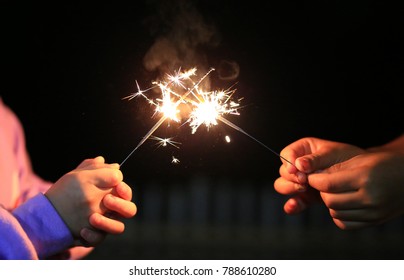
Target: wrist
[{"x": 395, "y": 146}]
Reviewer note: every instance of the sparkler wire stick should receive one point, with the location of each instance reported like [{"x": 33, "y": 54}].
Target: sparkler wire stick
[
  {"x": 151, "y": 131},
  {"x": 232, "y": 125}
]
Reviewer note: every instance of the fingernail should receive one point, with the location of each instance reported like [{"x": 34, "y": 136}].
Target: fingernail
[
  {"x": 304, "y": 164},
  {"x": 114, "y": 165},
  {"x": 110, "y": 197},
  {"x": 290, "y": 168},
  {"x": 100, "y": 158},
  {"x": 301, "y": 177}
]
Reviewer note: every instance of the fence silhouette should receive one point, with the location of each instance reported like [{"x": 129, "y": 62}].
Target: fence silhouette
[{"x": 223, "y": 219}]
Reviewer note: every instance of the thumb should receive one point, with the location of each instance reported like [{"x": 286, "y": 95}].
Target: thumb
[
  {"x": 327, "y": 156},
  {"x": 91, "y": 161}
]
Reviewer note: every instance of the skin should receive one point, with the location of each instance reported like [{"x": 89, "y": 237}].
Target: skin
[
  {"x": 360, "y": 187},
  {"x": 92, "y": 200}
]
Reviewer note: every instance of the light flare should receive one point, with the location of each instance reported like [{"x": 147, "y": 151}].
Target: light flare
[
  {"x": 210, "y": 106},
  {"x": 163, "y": 142},
  {"x": 175, "y": 160}
]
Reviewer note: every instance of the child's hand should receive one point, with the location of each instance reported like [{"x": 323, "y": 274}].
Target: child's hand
[
  {"x": 80, "y": 193},
  {"x": 119, "y": 206}
]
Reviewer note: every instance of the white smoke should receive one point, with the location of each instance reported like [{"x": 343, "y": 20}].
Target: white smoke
[{"x": 181, "y": 36}]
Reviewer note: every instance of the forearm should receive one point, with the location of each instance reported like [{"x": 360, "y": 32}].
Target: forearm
[
  {"x": 33, "y": 230},
  {"x": 14, "y": 241},
  {"x": 396, "y": 145}
]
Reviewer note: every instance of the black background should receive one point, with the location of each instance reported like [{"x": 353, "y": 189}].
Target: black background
[
  {"x": 330, "y": 69},
  {"x": 326, "y": 69}
]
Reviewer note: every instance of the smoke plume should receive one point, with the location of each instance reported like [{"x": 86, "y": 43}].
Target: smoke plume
[{"x": 181, "y": 37}]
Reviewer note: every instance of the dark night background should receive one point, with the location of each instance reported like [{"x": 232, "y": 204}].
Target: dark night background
[{"x": 330, "y": 69}]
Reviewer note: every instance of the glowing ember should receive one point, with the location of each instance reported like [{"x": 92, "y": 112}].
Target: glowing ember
[{"x": 175, "y": 160}]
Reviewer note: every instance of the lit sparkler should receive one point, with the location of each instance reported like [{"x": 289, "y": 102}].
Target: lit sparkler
[{"x": 204, "y": 107}]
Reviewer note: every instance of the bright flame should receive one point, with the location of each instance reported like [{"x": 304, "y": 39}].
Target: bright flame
[
  {"x": 204, "y": 113},
  {"x": 168, "y": 108},
  {"x": 207, "y": 111}
]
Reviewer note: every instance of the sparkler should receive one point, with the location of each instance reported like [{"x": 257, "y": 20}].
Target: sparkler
[{"x": 205, "y": 107}]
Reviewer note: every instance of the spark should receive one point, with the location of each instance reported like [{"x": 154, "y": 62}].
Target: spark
[
  {"x": 232, "y": 125},
  {"x": 165, "y": 141},
  {"x": 138, "y": 93},
  {"x": 211, "y": 105},
  {"x": 175, "y": 160},
  {"x": 227, "y": 138}
]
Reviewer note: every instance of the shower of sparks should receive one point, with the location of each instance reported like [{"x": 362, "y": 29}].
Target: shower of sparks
[
  {"x": 201, "y": 107},
  {"x": 163, "y": 142}
]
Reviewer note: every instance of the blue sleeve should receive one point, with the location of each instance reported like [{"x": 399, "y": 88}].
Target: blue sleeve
[{"x": 34, "y": 230}]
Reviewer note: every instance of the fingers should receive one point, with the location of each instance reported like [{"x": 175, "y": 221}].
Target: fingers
[
  {"x": 311, "y": 154},
  {"x": 334, "y": 181},
  {"x": 125, "y": 208},
  {"x": 117, "y": 207},
  {"x": 349, "y": 225},
  {"x": 106, "y": 224},
  {"x": 289, "y": 183},
  {"x": 313, "y": 162},
  {"x": 355, "y": 218},
  {"x": 345, "y": 201},
  {"x": 301, "y": 201},
  {"x": 287, "y": 187},
  {"x": 298, "y": 177},
  {"x": 294, "y": 205},
  {"x": 106, "y": 177},
  {"x": 325, "y": 154},
  {"x": 318, "y": 160},
  {"x": 295, "y": 150},
  {"x": 123, "y": 191},
  {"x": 90, "y": 161},
  {"x": 97, "y": 162},
  {"x": 355, "y": 215}
]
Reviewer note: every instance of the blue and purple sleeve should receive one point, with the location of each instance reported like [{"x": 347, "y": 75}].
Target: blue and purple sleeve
[{"x": 34, "y": 230}]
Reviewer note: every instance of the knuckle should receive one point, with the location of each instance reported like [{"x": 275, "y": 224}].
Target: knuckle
[
  {"x": 117, "y": 176},
  {"x": 110, "y": 201}
]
